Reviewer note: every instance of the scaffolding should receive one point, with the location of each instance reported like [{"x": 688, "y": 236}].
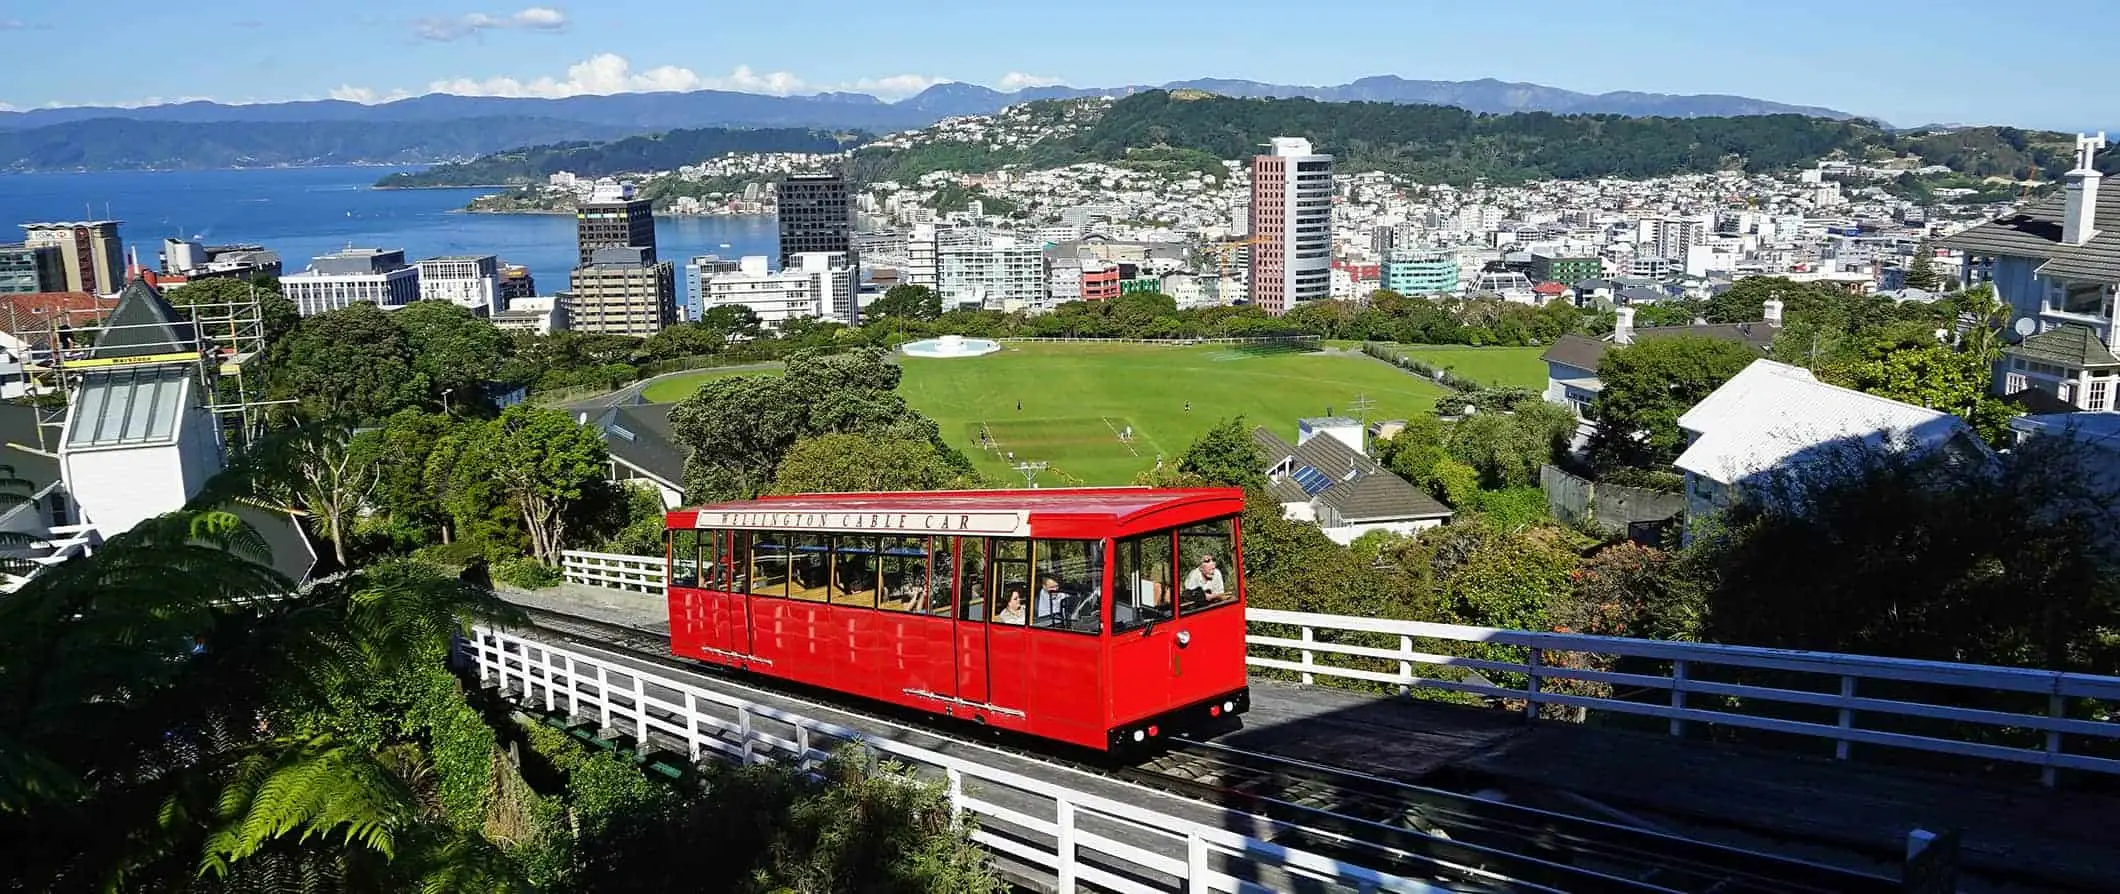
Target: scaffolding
[{"x": 217, "y": 340}]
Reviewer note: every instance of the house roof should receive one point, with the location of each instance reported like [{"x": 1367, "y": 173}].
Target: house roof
[
  {"x": 144, "y": 324},
  {"x": 30, "y": 316},
  {"x": 24, "y": 448},
  {"x": 1343, "y": 479},
  {"x": 639, "y": 435},
  {"x": 1771, "y": 413},
  {"x": 2035, "y": 232},
  {"x": 2069, "y": 345},
  {"x": 1585, "y": 353}
]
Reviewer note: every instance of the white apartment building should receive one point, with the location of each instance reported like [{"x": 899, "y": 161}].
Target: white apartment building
[
  {"x": 818, "y": 284},
  {"x": 472, "y": 282},
  {"x": 353, "y": 276},
  {"x": 1669, "y": 237},
  {"x": 993, "y": 271},
  {"x": 923, "y": 266}
]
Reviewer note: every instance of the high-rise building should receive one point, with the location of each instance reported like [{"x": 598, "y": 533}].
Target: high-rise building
[
  {"x": 922, "y": 266},
  {"x": 472, "y": 282},
  {"x": 27, "y": 269},
  {"x": 613, "y": 218},
  {"x": 353, "y": 276},
  {"x": 993, "y": 271},
  {"x": 814, "y": 215},
  {"x": 818, "y": 285},
  {"x": 1291, "y": 217},
  {"x": 623, "y": 290},
  {"x": 89, "y": 251},
  {"x": 1564, "y": 270},
  {"x": 516, "y": 282}
]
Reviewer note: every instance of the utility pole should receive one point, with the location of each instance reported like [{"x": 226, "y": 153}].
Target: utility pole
[
  {"x": 1030, "y": 473},
  {"x": 1361, "y": 405}
]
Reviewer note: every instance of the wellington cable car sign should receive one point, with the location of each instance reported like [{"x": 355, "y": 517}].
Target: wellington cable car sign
[{"x": 994, "y": 524}]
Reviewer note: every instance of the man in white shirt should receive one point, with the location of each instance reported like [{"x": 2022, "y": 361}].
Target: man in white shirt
[{"x": 1205, "y": 578}]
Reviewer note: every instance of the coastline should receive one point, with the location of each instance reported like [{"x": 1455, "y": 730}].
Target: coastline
[{"x": 570, "y": 211}]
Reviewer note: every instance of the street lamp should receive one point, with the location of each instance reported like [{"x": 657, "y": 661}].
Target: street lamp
[{"x": 445, "y": 400}]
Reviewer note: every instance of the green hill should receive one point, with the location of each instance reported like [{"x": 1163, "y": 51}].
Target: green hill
[{"x": 637, "y": 154}]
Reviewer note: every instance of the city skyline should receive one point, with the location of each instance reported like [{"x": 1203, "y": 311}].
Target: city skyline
[{"x": 1867, "y": 59}]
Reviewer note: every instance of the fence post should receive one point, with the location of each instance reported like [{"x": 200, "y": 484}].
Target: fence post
[
  {"x": 485, "y": 668},
  {"x": 574, "y": 694},
  {"x": 603, "y": 699},
  {"x": 692, "y": 724},
  {"x": 1847, "y": 716},
  {"x": 2056, "y": 708},
  {"x": 1678, "y": 694},
  {"x": 802, "y": 748},
  {"x": 640, "y": 712},
  {"x": 1307, "y": 661},
  {"x": 956, "y": 789},
  {"x": 1534, "y": 668},
  {"x": 550, "y": 697},
  {"x": 1195, "y": 864},
  {"x": 1066, "y": 847},
  {"x": 743, "y": 728}
]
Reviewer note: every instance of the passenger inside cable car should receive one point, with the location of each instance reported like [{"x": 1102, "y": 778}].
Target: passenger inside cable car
[{"x": 1012, "y": 611}]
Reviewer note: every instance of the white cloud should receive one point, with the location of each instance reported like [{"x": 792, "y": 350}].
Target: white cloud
[
  {"x": 535, "y": 18},
  {"x": 895, "y": 87},
  {"x": 1016, "y": 80},
  {"x": 366, "y": 96},
  {"x": 5, "y": 107}
]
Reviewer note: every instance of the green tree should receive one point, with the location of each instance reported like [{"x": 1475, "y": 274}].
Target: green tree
[
  {"x": 1226, "y": 455},
  {"x": 908, "y": 302},
  {"x": 1908, "y": 362},
  {"x": 1415, "y": 451},
  {"x": 319, "y": 471},
  {"x": 352, "y": 364},
  {"x": 401, "y": 450},
  {"x": 1507, "y": 448},
  {"x": 276, "y": 313},
  {"x": 542, "y": 462},
  {"x": 454, "y": 351},
  {"x": 1647, "y": 386},
  {"x": 847, "y": 463},
  {"x": 684, "y": 340},
  {"x": 1921, "y": 272}
]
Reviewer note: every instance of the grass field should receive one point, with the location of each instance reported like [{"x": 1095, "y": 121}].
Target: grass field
[
  {"x": 1078, "y": 398},
  {"x": 1520, "y": 367}
]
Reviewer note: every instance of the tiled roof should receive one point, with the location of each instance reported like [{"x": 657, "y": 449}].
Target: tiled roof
[
  {"x": 1356, "y": 488},
  {"x": 30, "y": 316},
  {"x": 2035, "y": 232},
  {"x": 1581, "y": 352},
  {"x": 1585, "y": 353},
  {"x": 1772, "y": 413},
  {"x": 2070, "y": 345}
]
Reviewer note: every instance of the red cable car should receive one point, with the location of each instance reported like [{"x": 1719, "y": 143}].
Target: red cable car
[{"x": 1102, "y": 617}]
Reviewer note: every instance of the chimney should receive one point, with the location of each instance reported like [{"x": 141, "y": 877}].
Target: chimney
[
  {"x": 2079, "y": 215},
  {"x": 1623, "y": 326},
  {"x": 1773, "y": 312}
]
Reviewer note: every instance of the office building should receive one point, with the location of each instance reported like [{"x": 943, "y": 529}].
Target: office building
[
  {"x": 1564, "y": 270},
  {"x": 613, "y": 218},
  {"x": 623, "y": 291},
  {"x": 90, "y": 255},
  {"x": 991, "y": 271},
  {"x": 472, "y": 282},
  {"x": 697, "y": 272},
  {"x": 26, "y": 269},
  {"x": 1420, "y": 272},
  {"x": 184, "y": 260},
  {"x": 1669, "y": 237},
  {"x": 542, "y": 315},
  {"x": 819, "y": 285},
  {"x": 516, "y": 282},
  {"x": 353, "y": 276},
  {"x": 923, "y": 266},
  {"x": 1291, "y": 217},
  {"x": 814, "y": 215}
]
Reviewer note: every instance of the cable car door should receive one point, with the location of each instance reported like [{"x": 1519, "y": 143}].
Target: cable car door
[{"x": 971, "y": 642}]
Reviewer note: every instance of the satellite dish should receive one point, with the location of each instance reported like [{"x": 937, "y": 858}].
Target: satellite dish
[{"x": 2025, "y": 326}]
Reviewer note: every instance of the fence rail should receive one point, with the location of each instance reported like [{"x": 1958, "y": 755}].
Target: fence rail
[
  {"x": 1069, "y": 833},
  {"x": 1553, "y": 670}
]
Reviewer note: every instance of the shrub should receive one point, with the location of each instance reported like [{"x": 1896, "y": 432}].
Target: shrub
[{"x": 527, "y": 573}]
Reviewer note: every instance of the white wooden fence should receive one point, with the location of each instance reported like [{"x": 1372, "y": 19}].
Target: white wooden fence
[
  {"x": 1553, "y": 662},
  {"x": 1083, "y": 829}
]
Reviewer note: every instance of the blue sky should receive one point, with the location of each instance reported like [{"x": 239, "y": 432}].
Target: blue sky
[{"x": 1905, "y": 61}]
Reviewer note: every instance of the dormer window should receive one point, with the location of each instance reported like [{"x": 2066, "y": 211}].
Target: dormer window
[{"x": 2091, "y": 300}]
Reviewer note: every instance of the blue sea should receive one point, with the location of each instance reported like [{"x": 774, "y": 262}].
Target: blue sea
[{"x": 305, "y": 212}]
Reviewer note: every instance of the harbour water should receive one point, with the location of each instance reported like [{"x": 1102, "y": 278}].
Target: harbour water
[{"x": 304, "y": 212}]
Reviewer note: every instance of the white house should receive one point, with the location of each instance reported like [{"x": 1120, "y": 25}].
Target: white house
[
  {"x": 1573, "y": 360},
  {"x": 1323, "y": 478},
  {"x": 1774, "y": 416}
]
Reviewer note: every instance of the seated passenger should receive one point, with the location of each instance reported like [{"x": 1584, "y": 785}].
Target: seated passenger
[
  {"x": 1051, "y": 599},
  {"x": 1012, "y": 611},
  {"x": 1205, "y": 581}
]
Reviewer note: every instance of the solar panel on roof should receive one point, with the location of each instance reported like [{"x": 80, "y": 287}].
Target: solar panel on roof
[{"x": 1311, "y": 480}]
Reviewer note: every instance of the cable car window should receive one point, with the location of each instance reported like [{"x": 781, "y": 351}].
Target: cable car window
[
  {"x": 1068, "y": 591},
  {"x": 935, "y": 598},
  {"x": 809, "y": 567},
  {"x": 1209, "y": 550},
  {"x": 1141, "y": 581},
  {"x": 971, "y": 587},
  {"x": 905, "y": 574},
  {"x": 737, "y": 562},
  {"x": 713, "y": 560},
  {"x": 854, "y": 571},
  {"x": 1011, "y": 561},
  {"x": 770, "y": 563},
  {"x": 683, "y": 570}
]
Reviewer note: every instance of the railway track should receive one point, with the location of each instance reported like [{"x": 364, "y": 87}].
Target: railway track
[{"x": 1463, "y": 841}]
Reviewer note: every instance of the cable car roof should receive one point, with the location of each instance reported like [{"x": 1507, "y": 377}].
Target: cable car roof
[{"x": 997, "y": 513}]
